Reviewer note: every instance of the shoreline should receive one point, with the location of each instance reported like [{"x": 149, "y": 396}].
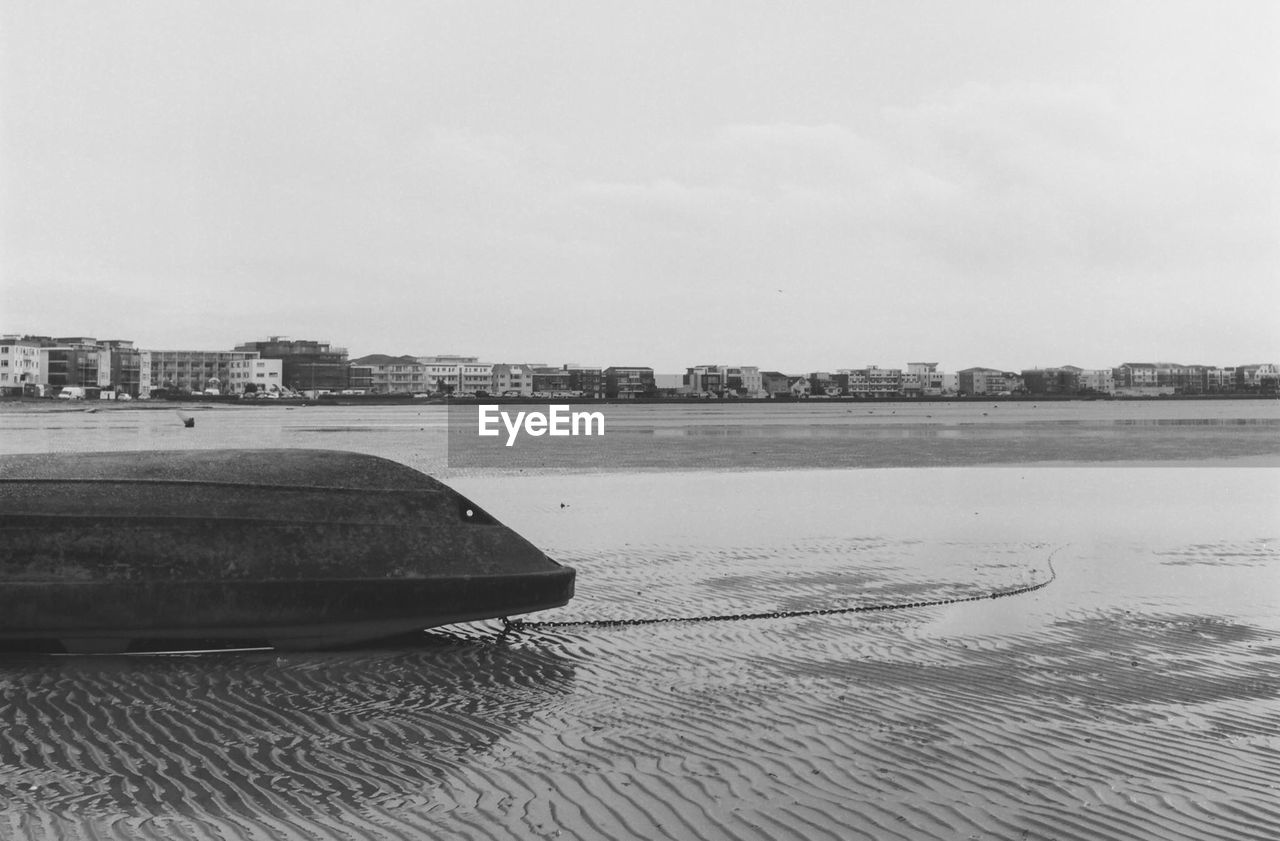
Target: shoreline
[{"x": 53, "y": 404}]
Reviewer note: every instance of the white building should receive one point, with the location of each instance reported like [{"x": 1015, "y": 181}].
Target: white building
[
  {"x": 266, "y": 374},
  {"x": 512, "y": 379},
  {"x": 745, "y": 380},
  {"x": 925, "y": 378},
  {"x": 457, "y": 374},
  {"x": 873, "y": 381},
  {"x": 19, "y": 364},
  {"x": 188, "y": 370},
  {"x": 1101, "y": 380}
]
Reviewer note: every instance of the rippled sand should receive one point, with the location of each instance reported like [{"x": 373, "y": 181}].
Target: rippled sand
[{"x": 1134, "y": 696}]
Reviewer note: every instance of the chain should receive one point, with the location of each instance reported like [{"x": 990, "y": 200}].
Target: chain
[{"x": 520, "y": 624}]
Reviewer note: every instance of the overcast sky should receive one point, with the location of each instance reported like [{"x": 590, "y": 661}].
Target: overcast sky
[{"x": 799, "y": 186}]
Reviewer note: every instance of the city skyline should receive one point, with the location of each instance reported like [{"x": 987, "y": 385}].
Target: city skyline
[
  {"x": 592, "y": 360},
  {"x": 987, "y": 183}
]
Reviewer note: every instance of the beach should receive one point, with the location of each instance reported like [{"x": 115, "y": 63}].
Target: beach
[{"x": 898, "y": 621}]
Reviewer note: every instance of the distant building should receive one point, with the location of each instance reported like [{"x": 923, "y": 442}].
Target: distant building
[
  {"x": 44, "y": 365},
  {"x": 549, "y": 381},
  {"x": 1064, "y": 380},
  {"x": 988, "y": 381},
  {"x": 872, "y": 381},
  {"x": 1259, "y": 377},
  {"x": 924, "y": 378},
  {"x": 457, "y": 374},
  {"x": 512, "y": 380},
  {"x": 20, "y": 370},
  {"x": 628, "y": 382},
  {"x": 1097, "y": 381},
  {"x": 704, "y": 381},
  {"x": 743, "y": 381},
  {"x": 307, "y": 366},
  {"x": 378, "y": 373},
  {"x": 585, "y": 381},
  {"x": 120, "y": 367},
  {"x": 775, "y": 383},
  {"x": 187, "y": 371},
  {"x": 668, "y": 385},
  {"x": 266, "y": 376},
  {"x": 822, "y": 384},
  {"x": 1135, "y": 375},
  {"x": 1140, "y": 378}
]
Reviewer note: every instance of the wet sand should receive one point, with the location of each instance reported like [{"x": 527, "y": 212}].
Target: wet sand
[{"x": 1134, "y": 696}]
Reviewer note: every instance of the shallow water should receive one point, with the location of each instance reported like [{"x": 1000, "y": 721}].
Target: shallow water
[{"x": 1134, "y": 696}]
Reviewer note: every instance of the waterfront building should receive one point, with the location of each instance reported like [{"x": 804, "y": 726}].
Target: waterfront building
[
  {"x": 1064, "y": 380},
  {"x": 549, "y": 381},
  {"x": 120, "y": 367},
  {"x": 1262, "y": 377},
  {"x": 1098, "y": 381},
  {"x": 704, "y": 381},
  {"x": 924, "y": 378},
  {"x": 452, "y": 374},
  {"x": 266, "y": 375},
  {"x": 774, "y": 383},
  {"x": 627, "y": 383},
  {"x": 1135, "y": 375},
  {"x": 586, "y": 381},
  {"x": 668, "y": 385},
  {"x": 378, "y": 373},
  {"x": 53, "y": 363},
  {"x": 512, "y": 379},
  {"x": 822, "y": 384},
  {"x": 69, "y": 362},
  {"x": 20, "y": 370},
  {"x": 308, "y": 366},
  {"x": 187, "y": 371},
  {"x": 798, "y": 386},
  {"x": 569, "y": 380},
  {"x": 871, "y": 381},
  {"x": 744, "y": 380},
  {"x": 988, "y": 381}
]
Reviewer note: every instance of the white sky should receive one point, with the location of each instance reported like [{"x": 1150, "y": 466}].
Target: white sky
[{"x": 799, "y": 186}]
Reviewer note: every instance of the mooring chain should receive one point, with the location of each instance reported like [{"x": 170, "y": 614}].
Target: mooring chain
[{"x": 520, "y": 624}]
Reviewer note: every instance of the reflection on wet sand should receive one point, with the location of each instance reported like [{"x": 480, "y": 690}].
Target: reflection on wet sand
[{"x": 272, "y": 743}]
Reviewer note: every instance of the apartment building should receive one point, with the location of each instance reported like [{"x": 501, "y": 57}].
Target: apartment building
[
  {"x": 265, "y": 375},
  {"x": 989, "y": 381},
  {"x": 627, "y": 383},
  {"x": 871, "y": 381},
  {"x": 823, "y": 384},
  {"x": 924, "y": 378},
  {"x": 20, "y": 369},
  {"x": 775, "y": 383},
  {"x": 1258, "y": 377},
  {"x": 744, "y": 380},
  {"x": 702, "y": 380},
  {"x": 379, "y": 373},
  {"x": 457, "y": 374},
  {"x": 307, "y": 365},
  {"x": 513, "y": 379},
  {"x": 193, "y": 371}
]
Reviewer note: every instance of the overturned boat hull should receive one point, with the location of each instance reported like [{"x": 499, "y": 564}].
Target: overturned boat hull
[{"x": 292, "y": 548}]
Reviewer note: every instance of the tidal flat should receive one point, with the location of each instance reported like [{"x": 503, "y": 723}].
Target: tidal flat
[{"x": 784, "y": 628}]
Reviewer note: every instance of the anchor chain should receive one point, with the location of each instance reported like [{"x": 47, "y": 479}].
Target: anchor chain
[{"x": 520, "y": 624}]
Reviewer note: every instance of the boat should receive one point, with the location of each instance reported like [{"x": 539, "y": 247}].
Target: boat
[{"x": 297, "y": 549}]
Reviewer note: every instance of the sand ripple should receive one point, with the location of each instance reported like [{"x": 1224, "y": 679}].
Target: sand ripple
[{"x": 1086, "y": 721}]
